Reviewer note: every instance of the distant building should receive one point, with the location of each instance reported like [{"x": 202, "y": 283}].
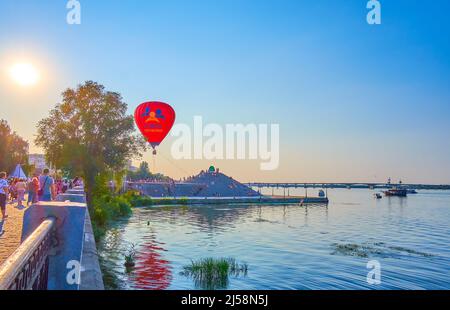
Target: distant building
[
  {"x": 38, "y": 161},
  {"x": 130, "y": 167}
]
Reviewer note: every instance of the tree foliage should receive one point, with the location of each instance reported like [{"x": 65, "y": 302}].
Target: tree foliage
[
  {"x": 143, "y": 173},
  {"x": 89, "y": 133},
  {"x": 13, "y": 148}
]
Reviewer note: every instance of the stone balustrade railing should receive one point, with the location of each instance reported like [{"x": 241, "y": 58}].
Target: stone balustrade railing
[{"x": 27, "y": 267}]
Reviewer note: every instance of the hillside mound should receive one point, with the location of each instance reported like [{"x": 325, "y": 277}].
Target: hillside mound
[{"x": 217, "y": 184}]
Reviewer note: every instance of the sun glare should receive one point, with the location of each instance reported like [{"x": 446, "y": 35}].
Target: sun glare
[{"x": 24, "y": 74}]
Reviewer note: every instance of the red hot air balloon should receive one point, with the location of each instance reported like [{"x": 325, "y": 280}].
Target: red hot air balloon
[{"x": 154, "y": 120}]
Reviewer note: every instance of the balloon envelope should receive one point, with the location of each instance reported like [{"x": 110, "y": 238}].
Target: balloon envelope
[{"x": 154, "y": 120}]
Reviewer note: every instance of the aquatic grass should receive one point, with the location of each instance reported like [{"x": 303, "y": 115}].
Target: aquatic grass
[
  {"x": 130, "y": 256},
  {"x": 213, "y": 273}
]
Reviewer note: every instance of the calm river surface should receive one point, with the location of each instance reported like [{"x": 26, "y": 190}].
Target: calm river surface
[{"x": 289, "y": 247}]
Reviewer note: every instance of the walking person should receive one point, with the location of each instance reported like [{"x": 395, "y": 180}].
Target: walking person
[
  {"x": 65, "y": 186},
  {"x": 47, "y": 186},
  {"x": 58, "y": 186},
  {"x": 3, "y": 194},
  {"x": 12, "y": 190},
  {"x": 33, "y": 188},
  {"x": 20, "y": 190}
]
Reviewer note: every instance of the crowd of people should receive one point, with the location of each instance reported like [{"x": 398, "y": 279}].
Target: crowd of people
[{"x": 43, "y": 187}]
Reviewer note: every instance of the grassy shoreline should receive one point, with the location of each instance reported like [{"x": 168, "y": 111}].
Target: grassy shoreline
[{"x": 108, "y": 207}]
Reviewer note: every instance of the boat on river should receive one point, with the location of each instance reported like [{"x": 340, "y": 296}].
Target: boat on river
[{"x": 397, "y": 192}]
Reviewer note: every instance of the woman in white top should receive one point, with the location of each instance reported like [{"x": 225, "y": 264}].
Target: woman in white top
[
  {"x": 21, "y": 187},
  {"x": 3, "y": 192}
]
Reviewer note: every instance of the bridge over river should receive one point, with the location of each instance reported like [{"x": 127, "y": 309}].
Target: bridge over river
[{"x": 368, "y": 185}]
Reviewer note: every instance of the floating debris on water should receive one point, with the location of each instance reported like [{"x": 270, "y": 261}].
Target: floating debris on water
[
  {"x": 369, "y": 249},
  {"x": 410, "y": 251},
  {"x": 261, "y": 220},
  {"x": 352, "y": 249}
]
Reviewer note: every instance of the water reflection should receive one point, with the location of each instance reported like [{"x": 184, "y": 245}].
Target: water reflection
[
  {"x": 207, "y": 218},
  {"x": 151, "y": 272}
]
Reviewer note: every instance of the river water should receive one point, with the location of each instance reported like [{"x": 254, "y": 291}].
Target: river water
[{"x": 289, "y": 247}]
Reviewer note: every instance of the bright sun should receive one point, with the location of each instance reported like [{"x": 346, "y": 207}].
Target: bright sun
[{"x": 24, "y": 74}]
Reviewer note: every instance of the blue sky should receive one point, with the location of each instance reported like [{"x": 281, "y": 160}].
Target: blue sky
[{"x": 354, "y": 102}]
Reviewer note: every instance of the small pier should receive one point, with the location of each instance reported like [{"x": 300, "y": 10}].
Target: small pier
[{"x": 238, "y": 200}]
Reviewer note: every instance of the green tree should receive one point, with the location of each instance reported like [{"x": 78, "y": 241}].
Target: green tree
[
  {"x": 13, "y": 148},
  {"x": 89, "y": 133},
  {"x": 142, "y": 173}
]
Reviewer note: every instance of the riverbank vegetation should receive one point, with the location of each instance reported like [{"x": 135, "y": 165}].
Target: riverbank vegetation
[{"x": 106, "y": 206}]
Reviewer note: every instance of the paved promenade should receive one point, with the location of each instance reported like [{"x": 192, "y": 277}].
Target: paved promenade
[{"x": 11, "y": 231}]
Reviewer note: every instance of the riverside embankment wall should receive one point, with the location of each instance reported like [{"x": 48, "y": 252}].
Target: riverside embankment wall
[{"x": 73, "y": 263}]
